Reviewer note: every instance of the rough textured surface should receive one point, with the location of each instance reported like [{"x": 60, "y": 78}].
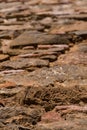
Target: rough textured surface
[{"x": 43, "y": 65}]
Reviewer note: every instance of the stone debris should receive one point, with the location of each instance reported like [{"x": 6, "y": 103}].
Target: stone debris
[{"x": 43, "y": 65}]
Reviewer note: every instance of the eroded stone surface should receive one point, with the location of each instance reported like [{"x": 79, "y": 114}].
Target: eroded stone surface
[{"x": 43, "y": 65}]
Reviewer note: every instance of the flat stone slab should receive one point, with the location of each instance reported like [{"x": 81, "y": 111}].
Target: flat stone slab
[
  {"x": 24, "y": 63},
  {"x": 3, "y": 57},
  {"x": 34, "y": 38}
]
